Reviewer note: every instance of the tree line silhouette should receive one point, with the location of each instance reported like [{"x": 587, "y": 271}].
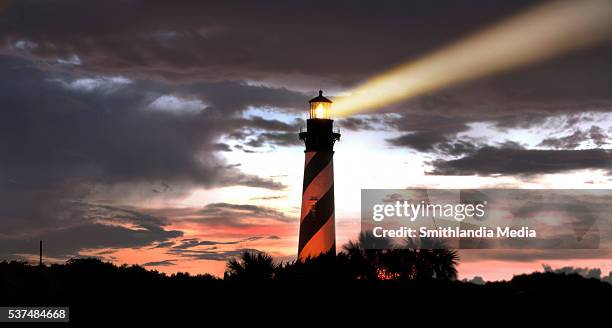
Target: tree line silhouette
[
  {"x": 353, "y": 262},
  {"x": 424, "y": 279}
]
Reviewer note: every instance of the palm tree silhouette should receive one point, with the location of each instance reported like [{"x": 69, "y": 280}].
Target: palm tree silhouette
[
  {"x": 376, "y": 258},
  {"x": 433, "y": 260},
  {"x": 251, "y": 266},
  {"x": 368, "y": 258}
]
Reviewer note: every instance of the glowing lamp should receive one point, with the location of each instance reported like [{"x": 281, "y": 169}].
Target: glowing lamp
[{"x": 320, "y": 107}]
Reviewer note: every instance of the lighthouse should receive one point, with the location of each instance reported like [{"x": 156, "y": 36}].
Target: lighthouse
[{"x": 317, "y": 219}]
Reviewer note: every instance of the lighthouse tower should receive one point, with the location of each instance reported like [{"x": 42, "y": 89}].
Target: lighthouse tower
[{"x": 317, "y": 221}]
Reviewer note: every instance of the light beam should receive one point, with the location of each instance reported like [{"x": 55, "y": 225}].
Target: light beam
[{"x": 537, "y": 34}]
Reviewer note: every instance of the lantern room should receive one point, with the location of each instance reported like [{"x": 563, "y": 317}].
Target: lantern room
[{"x": 320, "y": 107}]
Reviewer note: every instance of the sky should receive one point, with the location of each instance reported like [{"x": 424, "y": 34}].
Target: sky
[{"x": 165, "y": 134}]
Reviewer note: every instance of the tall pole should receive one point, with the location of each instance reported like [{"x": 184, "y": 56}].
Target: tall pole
[
  {"x": 40, "y": 249},
  {"x": 317, "y": 219}
]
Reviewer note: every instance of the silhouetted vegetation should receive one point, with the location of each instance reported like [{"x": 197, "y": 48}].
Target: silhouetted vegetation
[
  {"x": 251, "y": 267},
  {"x": 355, "y": 278},
  {"x": 353, "y": 262}
]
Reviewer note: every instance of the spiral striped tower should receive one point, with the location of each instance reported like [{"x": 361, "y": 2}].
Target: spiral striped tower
[{"x": 317, "y": 220}]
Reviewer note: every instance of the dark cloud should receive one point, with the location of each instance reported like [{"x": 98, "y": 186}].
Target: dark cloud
[
  {"x": 248, "y": 210},
  {"x": 210, "y": 41},
  {"x": 425, "y": 130},
  {"x": 89, "y": 226},
  {"x": 236, "y": 215},
  {"x": 568, "y": 142},
  {"x": 431, "y": 121},
  {"x": 193, "y": 242},
  {"x": 107, "y": 136},
  {"x": 222, "y": 147},
  {"x": 421, "y": 141},
  {"x": 246, "y": 150},
  {"x": 165, "y": 244},
  {"x": 359, "y": 123},
  {"x": 595, "y": 134},
  {"x": 269, "y": 197},
  {"x": 556, "y": 95},
  {"x": 260, "y": 123},
  {"x": 457, "y": 147},
  {"x": 244, "y": 42},
  {"x": 259, "y": 132},
  {"x": 598, "y": 136},
  {"x": 160, "y": 263},
  {"x": 491, "y": 160},
  {"x": 337, "y": 41},
  {"x": 275, "y": 138},
  {"x": 66, "y": 138},
  {"x": 211, "y": 254}
]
